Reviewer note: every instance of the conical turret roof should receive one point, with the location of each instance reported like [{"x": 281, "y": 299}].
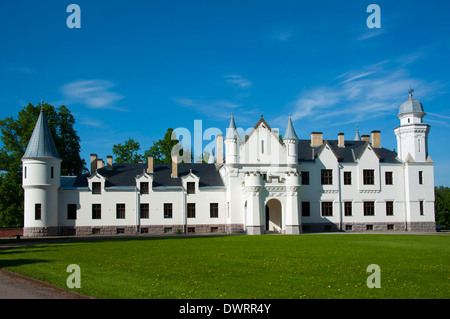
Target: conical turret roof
[
  {"x": 41, "y": 144},
  {"x": 231, "y": 130},
  {"x": 357, "y": 136},
  {"x": 290, "y": 132}
]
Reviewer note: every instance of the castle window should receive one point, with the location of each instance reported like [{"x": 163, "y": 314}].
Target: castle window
[
  {"x": 71, "y": 211},
  {"x": 389, "y": 208},
  {"x": 168, "y": 210},
  {"x": 347, "y": 178},
  {"x": 368, "y": 177},
  {"x": 327, "y": 208},
  {"x": 25, "y": 172},
  {"x": 51, "y": 172},
  {"x": 96, "y": 188},
  {"x": 420, "y": 177},
  {"x": 190, "y": 187},
  {"x": 120, "y": 211},
  {"x": 389, "y": 180},
  {"x": 262, "y": 147},
  {"x": 306, "y": 209},
  {"x": 191, "y": 210},
  {"x": 214, "y": 210},
  {"x": 37, "y": 211},
  {"x": 327, "y": 177},
  {"x": 421, "y": 207},
  {"x": 369, "y": 208},
  {"x": 144, "y": 210},
  {"x": 348, "y": 208},
  {"x": 144, "y": 187},
  {"x": 96, "y": 211},
  {"x": 305, "y": 178}
]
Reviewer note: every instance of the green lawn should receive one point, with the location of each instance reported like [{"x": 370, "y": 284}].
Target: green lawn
[{"x": 305, "y": 266}]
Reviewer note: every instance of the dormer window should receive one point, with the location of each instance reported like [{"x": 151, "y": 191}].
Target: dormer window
[
  {"x": 96, "y": 188},
  {"x": 191, "y": 187},
  {"x": 144, "y": 187}
]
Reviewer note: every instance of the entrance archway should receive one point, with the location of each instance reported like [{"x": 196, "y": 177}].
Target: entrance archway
[{"x": 273, "y": 215}]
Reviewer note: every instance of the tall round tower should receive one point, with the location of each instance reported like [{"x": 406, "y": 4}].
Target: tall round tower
[
  {"x": 412, "y": 134},
  {"x": 41, "y": 167}
]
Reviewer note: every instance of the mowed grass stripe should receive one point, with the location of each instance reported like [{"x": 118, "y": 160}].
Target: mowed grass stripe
[{"x": 305, "y": 266}]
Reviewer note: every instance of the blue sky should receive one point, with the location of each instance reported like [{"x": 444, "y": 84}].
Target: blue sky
[{"x": 136, "y": 68}]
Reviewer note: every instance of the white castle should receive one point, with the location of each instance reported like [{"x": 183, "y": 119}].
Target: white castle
[{"x": 263, "y": 184}]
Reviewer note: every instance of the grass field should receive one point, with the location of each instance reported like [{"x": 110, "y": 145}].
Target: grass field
[{"x": 271, "y": 266}]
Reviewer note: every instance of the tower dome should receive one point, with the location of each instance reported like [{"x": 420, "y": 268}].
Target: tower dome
[{"x": 411, "y": 105}]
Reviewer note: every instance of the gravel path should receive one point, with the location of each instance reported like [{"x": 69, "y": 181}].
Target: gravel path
[{"x": 15, "y": 286}]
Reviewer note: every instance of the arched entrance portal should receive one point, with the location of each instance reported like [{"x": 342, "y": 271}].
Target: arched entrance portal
[{"x": 273, "y": 215}]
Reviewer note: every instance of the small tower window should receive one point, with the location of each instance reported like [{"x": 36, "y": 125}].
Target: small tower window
[
  {"x": 25, "y": 172},
  {"x": 262, "y": 147},
  {"x": 37, "y": 211},
  {"x": 51, "y": 172}
]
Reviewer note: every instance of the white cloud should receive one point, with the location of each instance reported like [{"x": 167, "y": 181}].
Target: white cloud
[
  {"x": 361, "y": 95},
  {"x": 238, "y": 80},
  {"x": 282, "y": 36},
  {"x": 94, "y": 94}
]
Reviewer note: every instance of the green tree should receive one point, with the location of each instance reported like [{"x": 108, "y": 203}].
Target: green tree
[
  {"x": 161, "y": 150},
  {"x": 442, "y": 206},
  {"x": 127, "y": 152},
  {"x": 15, "y": 134}
]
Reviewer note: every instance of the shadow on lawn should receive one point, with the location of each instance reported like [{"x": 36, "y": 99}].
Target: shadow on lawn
[{"x": 19, "y": 262}]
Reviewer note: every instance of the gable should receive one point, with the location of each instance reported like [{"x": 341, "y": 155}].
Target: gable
[{"x": 262, "y": 146}]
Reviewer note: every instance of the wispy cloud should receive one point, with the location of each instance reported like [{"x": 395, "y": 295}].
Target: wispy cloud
[
  {"x": 282, "y": 36},
  {"x": 95, "y": 94},
  {"x": 238, "y": 80},
  {"x": 369, "y": 33},
  {"x": 360, "y": 95},
  {"x": 212, "y": 108}
]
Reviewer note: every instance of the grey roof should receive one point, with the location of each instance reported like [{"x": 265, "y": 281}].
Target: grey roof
[
  {"x": 125, "y": 175},
  {"x": 411, "y": 105},
  {"x": 41, "y": 144},
  {"x": 231, "y": 130},
  {"x": 348, "y": 154},
  {"x": 290, "y": 132}
]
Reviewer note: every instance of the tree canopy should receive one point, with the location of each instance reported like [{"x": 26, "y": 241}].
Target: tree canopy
[
  {"x": 161, "y": 150},
  {"x": 442, "y": 206}
]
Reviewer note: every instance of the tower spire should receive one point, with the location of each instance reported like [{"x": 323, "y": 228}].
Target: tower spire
[{"x": 357, "y": 136}]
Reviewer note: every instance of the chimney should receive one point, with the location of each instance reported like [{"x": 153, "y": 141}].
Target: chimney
[
  {"x": 219, "y": 149},
  {"x": 316, "y": 139},
  {"x": 376, "y": 139},
  {"x": 174, "y": 166},
  {"x": 109, "y": 162},
  {"x": 150, "y": 164},
  {"x": 93, "y": 163},
  {"x": 366, "y": 138},
  {"x": 341, "y": 141},
  {"x": 100, "y": 163}
]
